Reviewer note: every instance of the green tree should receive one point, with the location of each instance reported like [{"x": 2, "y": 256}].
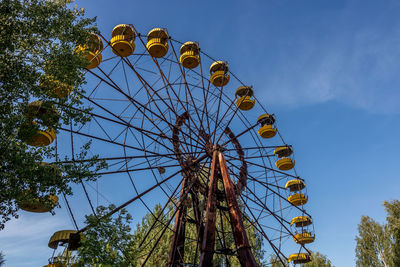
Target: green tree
[
  {"x": 318, "y": 260},
  {"x": 108, "y": 241},
  {"x": 2, "y": 259},
  {"x": 378, "y": 244},
  {"x": 393, "y": 224},
  {"x": 140, "y": 251},
  {"x": 37, "y": 42},
  {"x": 373, "y": 244},
  {"x": 275, "y": 262}
]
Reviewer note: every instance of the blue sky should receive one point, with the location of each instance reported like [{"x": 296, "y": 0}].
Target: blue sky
[{"x": 329, "y": 72}]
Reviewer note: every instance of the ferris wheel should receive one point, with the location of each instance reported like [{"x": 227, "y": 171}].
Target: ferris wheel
[{"x": 177, "y": 127}]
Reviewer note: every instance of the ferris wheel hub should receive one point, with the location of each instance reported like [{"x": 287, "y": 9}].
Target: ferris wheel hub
[{"x": 209, "y": 149}]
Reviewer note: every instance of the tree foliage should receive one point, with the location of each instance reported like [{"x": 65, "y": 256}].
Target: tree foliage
[
  {"x": 378, "y": 244},
  {"x": 160, "y": 254},
  {"x": 318, "y": 260},
  {"x": 108, "y": 241},
  {"x": 37, "y": 42},
  {"x": 393, "y": 225},
  {"x": 274, "y": 261},
  {"x": 2, "y": 259}
]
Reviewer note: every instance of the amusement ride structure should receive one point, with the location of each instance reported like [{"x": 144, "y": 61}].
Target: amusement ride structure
[{"x": 181, "y": 128}]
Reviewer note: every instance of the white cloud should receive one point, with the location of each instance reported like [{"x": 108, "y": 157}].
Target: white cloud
[
  {"x": 24, "y": 240},
  {"x": 356, "y": 63}
]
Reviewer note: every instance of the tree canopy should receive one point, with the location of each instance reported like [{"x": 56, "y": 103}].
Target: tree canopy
[
  {"x": 378, "y": 244},
  {"x": 318, "y": 260},
  {"x": 108, "y": 241},
  {"x": 392, "y": 209},
  {"x": 37, "y": 41},
  {"x": 2, "y": 259}
]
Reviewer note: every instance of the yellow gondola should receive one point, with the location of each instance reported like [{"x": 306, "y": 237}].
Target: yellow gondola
[
  {"x": 245, "y": 102},
  {"x": 283, "y": 151},
  {"x": 285, "y": 164},
  {"x": 54, "y": 86},
  {"x": 299, "y": 258},
  {"x": 298, "y": 199},
  {"x": 123, "y": 40},
  {"x": 190, "y": 55},
  {"x": 304, "y": 238},
  {"x": 44, "y": 111},
  {"x": 157, "y": 42},
  {"x": 92, "y": 51},
  {"x": 301, "y": 221},
  {"x": 63, "y": 260},
  {"x": 37, "y": 205},
  {"x": 219, "y": 73},
  {"x": 60, "y": 237},
  {"x": 295, "y": 185},
  {"x": 38, "y": 137},
  {"x": 43, "y": 138},
  {"x": 266, "y": 130},
  {"x": 47, "y": 115}
]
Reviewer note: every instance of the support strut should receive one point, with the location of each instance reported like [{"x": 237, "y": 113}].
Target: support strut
[
  {"x": 207, "y": 247},
  {"x": 246, "y": 258},
  {"x": 245, "y": 255},
  {"x": 176, "y": 254}
]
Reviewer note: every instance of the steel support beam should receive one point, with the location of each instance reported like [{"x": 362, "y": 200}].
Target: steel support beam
[
  {"x": 177, "y": 250},
  {"x": 245, "y": 255},
  {"x": 207, "y": 246}
]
